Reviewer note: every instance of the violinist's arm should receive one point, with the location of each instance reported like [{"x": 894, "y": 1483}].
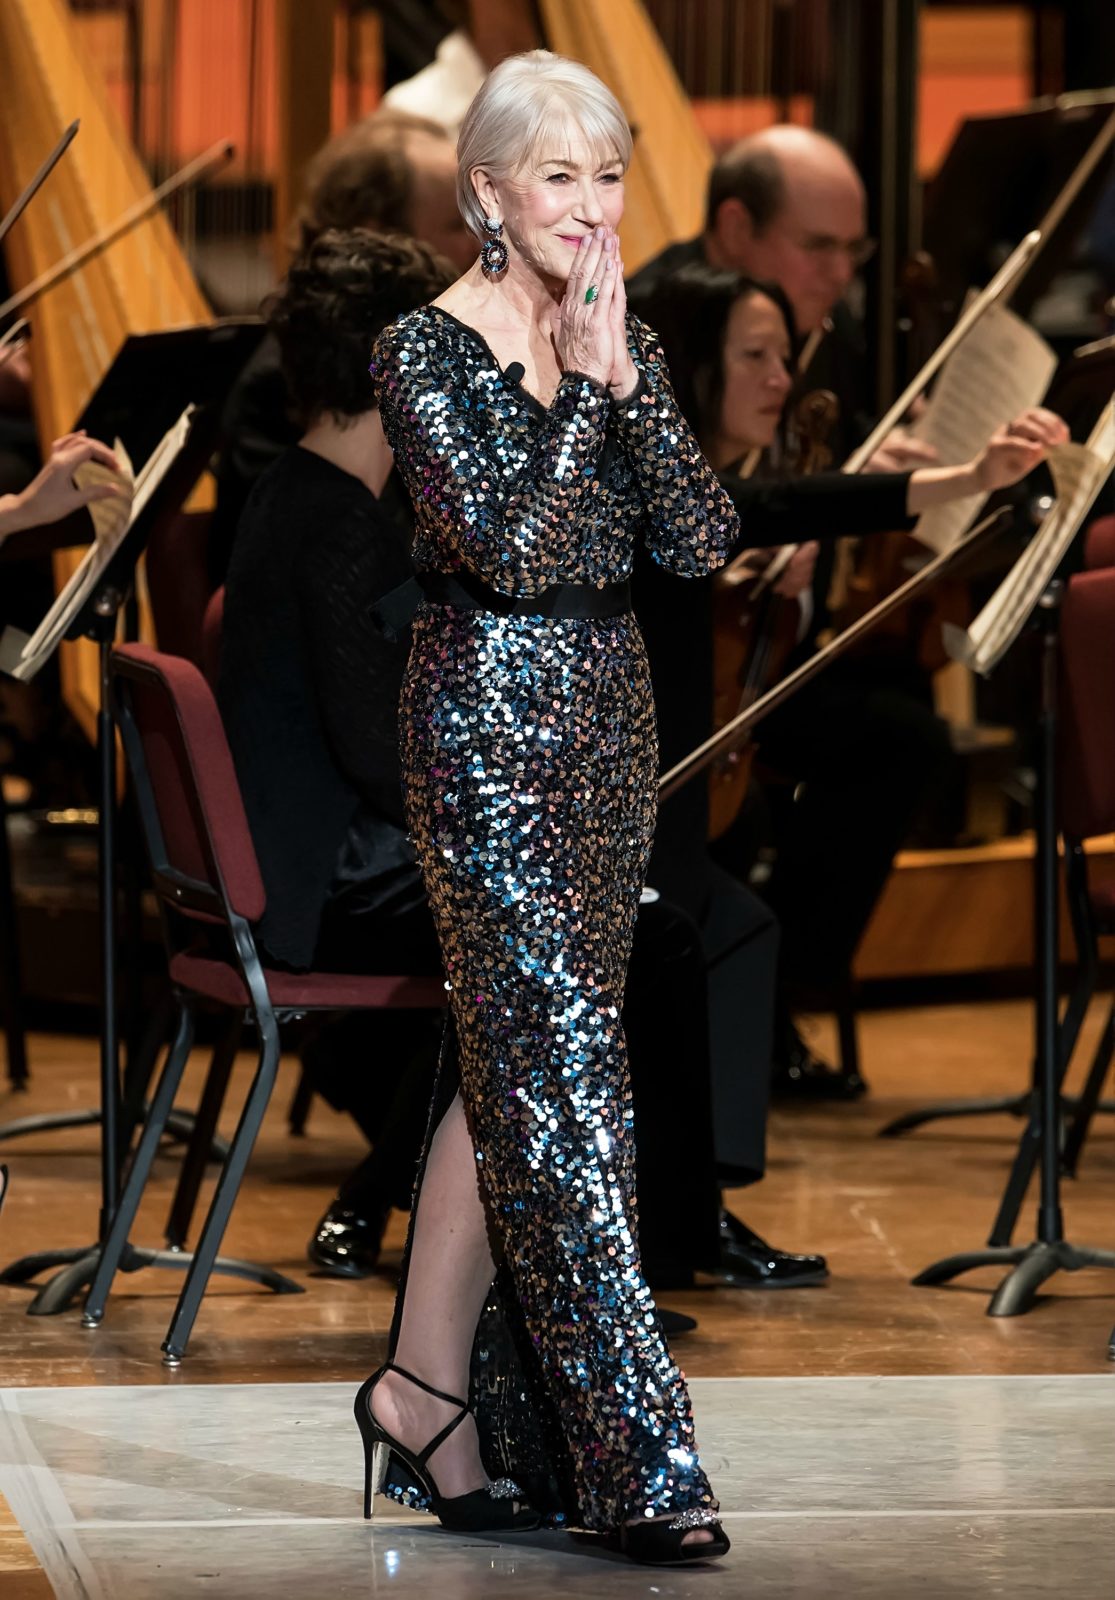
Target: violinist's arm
[
  {"x": 52, "y": 494},
  {"x": 1012, "y": 452},
  {"x": 825, "y": 506},
  {"x": 832, "y": 505}
]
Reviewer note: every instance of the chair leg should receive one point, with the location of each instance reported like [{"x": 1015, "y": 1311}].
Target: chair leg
[
  {"x": 847, "y": 1030},
  {"x": 11, "y": 977},
  {"x": 228, "y": 1186},
  {"x": 117, "y": 1241},
  {"x": 300, "y": 1104},
  {"x": 139, "y": 1068},
  {"x": 848, "y": 1033},
  {"x": 1090, "y": 1096},
  {"x": 201, "y": 1140}
]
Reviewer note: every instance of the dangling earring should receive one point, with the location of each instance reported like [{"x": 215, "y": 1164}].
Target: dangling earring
[{"x": 493, "y": 256}]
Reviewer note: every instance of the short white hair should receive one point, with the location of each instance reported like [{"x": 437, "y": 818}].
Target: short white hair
[{"x": 522, "y": 114}]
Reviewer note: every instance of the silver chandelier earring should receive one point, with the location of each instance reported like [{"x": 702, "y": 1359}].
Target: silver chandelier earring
[{"x": 493, "y": 255}]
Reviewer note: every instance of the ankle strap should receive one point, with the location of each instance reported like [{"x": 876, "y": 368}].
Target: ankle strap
[
  {"x": 420, "y": 1383},
  {"x": 439, "y": 1394}
]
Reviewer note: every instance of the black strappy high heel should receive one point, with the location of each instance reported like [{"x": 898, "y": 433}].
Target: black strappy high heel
[
  {"x": 497, "y": 1508},
  {"x": 657, "y": 1542}
]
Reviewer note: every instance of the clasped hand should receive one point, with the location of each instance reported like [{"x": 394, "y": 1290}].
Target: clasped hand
[{"x": 592, "y": 337}]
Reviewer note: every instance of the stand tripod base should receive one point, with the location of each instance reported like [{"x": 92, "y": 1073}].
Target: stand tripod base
[
  {"x": 1016, "y": 1106},
  {"x": 79, "y": 1267},
  {"x": 179, "y": 1127},
  {"x": 1031, "y": 1266},
  {"x": 948, "y": 1109}
]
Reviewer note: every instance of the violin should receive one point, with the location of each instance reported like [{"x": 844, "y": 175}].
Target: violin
[{"x": 754, "y": 628}]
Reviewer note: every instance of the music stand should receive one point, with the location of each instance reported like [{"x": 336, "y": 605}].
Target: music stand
[
  {"x": 1033, "y": 1264},
  {"x": 171, "y": 368},
  {"x": 1080, "y": 389},
  {"x": 96, "y": 616},
  {"x": 1033, "y": 154}
]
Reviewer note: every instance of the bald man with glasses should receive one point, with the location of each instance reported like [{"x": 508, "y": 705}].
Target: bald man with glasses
[{"x": 861, "y": 749}]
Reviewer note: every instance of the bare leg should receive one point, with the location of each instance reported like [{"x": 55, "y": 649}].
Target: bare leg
[{"x": 450, "y": 1273}]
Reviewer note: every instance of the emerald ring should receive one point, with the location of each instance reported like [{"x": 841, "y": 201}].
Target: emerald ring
[{"x": 591, "y": 293}]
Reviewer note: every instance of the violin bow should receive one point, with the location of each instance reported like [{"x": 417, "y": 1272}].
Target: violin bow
[
  {"x": 39, "y": 179},
  {"x": 736, "y": 731},
  {"x": 216, "y": 156}
]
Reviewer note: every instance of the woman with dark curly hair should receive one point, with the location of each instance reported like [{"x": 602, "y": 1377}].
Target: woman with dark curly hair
[{"x": 308, "y": 688}]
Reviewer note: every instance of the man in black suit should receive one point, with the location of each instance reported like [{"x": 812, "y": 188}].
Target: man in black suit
[{"x": 860, "y": 750}]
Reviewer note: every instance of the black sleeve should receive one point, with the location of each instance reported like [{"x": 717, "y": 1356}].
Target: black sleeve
[
  {"x": 357, "y": 671},
  {"x": 826, "y": 506}
]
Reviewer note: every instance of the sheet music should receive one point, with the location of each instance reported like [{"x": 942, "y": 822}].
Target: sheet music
[
  {"x": 1079, "y": 472},
  {"x": 36, "y": 650},
  {"x": 998, "y": 369},
  {"x": 109, "y": 517}
]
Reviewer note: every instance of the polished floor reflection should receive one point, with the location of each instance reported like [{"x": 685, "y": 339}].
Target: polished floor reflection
[{"x": 872, "y": 1488}]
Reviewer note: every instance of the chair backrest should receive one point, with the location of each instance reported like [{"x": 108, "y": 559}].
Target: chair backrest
[
  {"x": 1099, "y": 544},
  {"x": 178, "y": 583},
  {"x": 211, "y": 629},
  {"x": 1086, "y": 748},
  {"x": 202, "y": 857}
]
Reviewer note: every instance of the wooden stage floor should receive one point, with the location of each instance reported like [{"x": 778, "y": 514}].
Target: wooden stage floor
[{"x": 879, "y": 1209}]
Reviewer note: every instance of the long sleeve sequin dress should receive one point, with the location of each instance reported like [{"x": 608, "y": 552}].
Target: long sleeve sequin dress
[{"x": 530, "y": 767}]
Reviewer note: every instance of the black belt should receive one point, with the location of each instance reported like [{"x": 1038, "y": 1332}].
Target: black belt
[
  {"x": 393, "y": 612},
  {"x": 559, "y": 601}
]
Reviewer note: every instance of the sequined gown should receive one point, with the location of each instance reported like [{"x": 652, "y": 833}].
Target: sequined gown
[{"x": 530, "y": 766}]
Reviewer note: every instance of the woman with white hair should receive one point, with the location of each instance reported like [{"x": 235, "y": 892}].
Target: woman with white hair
[{"x": 535, "y": 429}]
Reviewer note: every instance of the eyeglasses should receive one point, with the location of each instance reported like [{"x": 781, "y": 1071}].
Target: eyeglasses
[{"x": 822, "y": 246}]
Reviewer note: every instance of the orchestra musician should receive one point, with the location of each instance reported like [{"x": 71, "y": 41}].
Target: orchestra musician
[
  {"x": 393, "y": 172},
  {"x": 787, "y": 206},
  {"x": 728, "y": 342}
]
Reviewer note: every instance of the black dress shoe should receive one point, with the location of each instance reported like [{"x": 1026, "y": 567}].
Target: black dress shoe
[
  {"x": 675, "y": 1323},
  {"x": 346, "y": 1243},
  {"x": 748, "y": 1262},
  {"x": 800, "y": 1075}
]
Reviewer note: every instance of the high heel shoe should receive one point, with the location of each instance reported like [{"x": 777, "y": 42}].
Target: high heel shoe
[
  {"x": 498, "y": 1507},
  {"x": 657, "y": 1542}
]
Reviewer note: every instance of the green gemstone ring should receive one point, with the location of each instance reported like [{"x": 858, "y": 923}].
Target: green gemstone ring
[{"x": 591, "y": 293}]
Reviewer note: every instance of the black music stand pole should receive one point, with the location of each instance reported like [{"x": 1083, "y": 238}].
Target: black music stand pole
[{"x": 1033, "y": 1264}]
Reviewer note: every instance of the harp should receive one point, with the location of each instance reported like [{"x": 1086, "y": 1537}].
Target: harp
[{"x": 141, "y": 284}]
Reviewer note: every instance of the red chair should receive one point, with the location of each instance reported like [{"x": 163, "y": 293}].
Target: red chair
[
  {"x": 178, "y": 582},
  {"x": 1099, "y": 544},
  {"x": 1086, "y": 797},
  {"x": 210, "y": 893},
  {"x": 212, "y": 623}
]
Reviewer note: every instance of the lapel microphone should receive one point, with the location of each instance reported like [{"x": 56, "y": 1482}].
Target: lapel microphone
[{"x": 515, "y": 373}]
